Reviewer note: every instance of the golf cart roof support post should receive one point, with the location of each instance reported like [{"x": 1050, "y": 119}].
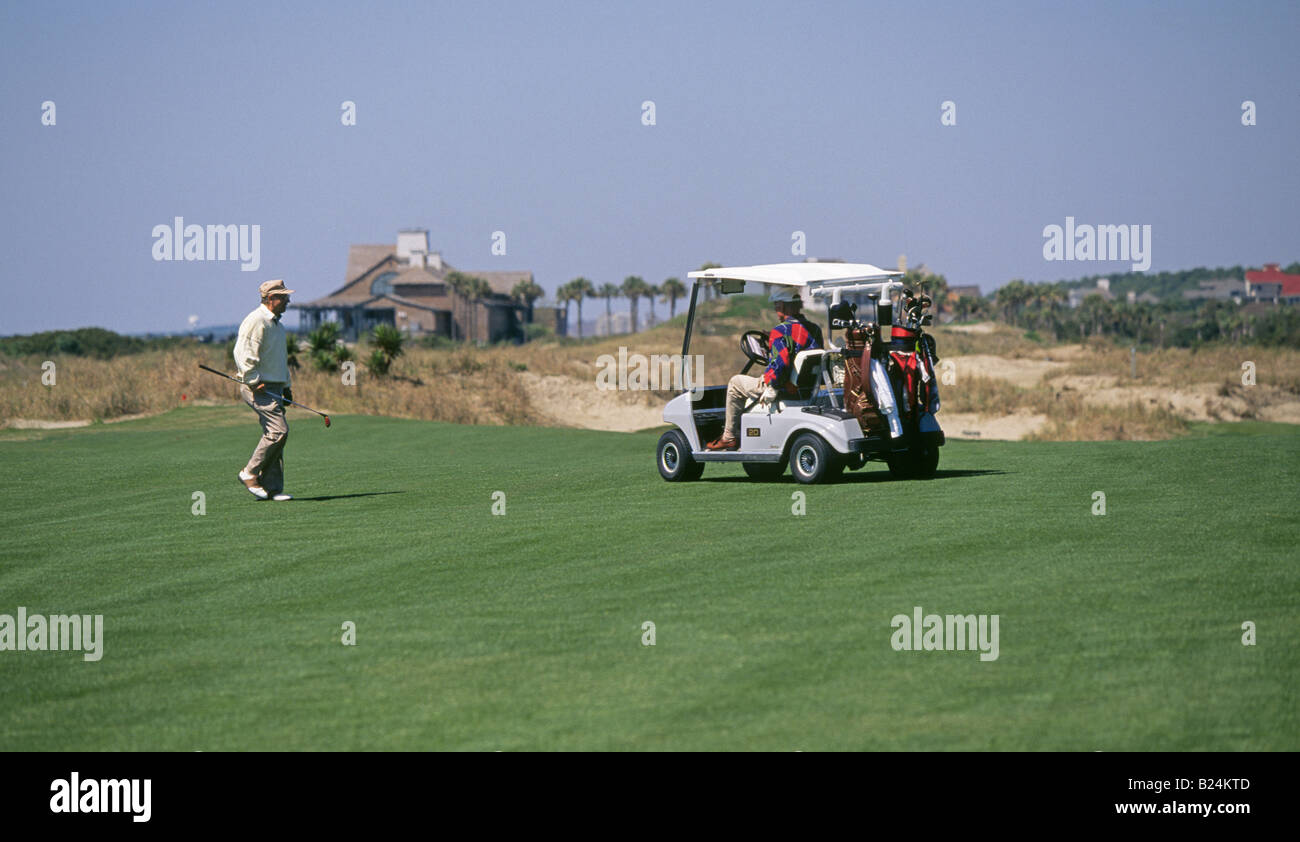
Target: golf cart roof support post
[{"x": 690, "y": 320}]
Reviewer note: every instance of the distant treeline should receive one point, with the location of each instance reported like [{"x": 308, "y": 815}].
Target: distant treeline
[
  {"x": 86, "y": 342},
  {"x": 1167, "y": 324},
  {"x": 1167, "y": 284},
  {"x": 1175, "y": 320}
]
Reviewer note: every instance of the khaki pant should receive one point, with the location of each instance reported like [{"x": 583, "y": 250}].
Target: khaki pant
[
  {"x": 267, "y": 463},
  {"x": 740, "y": 391}
]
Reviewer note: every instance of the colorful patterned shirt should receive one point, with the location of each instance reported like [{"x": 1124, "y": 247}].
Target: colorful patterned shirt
[{"x": 785, "y": 341}]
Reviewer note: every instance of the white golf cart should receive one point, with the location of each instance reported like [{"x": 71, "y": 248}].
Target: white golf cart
[{"x": 868, "y": 394}]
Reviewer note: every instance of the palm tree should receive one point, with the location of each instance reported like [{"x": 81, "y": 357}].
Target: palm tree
[
  {"x": 1011, "y": 298},
  {"x": 1096, "y": 311},
  {"x": 937, "y": 287},
  {"x": 633, "y": 289},
  {"x": 566, "y": 295},
  {"x": 1055, "y": 297},
  {"x": 581, "y": 288},
  {"x": 609, "y": 292},
  {"x": 672, "y": 289},
  {"x": 650, "y": 292},
  {"x": 459, "y": 282},
  {"x": 527, "y": 292},
  {"x": 479, "y": 290}
]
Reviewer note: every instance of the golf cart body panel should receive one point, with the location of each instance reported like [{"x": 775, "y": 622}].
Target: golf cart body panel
[{"x": 767, "y": 435}]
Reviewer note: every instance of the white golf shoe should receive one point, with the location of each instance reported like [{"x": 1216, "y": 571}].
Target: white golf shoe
[{"x": 250, "y": 482}]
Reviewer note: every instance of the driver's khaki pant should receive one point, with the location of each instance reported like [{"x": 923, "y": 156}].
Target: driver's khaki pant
[{"x": 740, "y": 390}]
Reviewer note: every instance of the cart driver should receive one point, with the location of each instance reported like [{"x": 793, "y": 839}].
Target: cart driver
[{"x": 787, "y": 339}]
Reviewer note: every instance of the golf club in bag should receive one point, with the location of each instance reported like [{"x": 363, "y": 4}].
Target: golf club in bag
[{"x": 278, "y": 397}]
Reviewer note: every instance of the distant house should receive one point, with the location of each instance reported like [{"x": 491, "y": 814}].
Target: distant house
[
  {"x": 1145, "y": 298},
  {"x": 1076, "y": 296},
  {"x": 1272, "y": 284},
  {"x": 405, "y": 285},
  {"x": 551, "y": 314},
  {"x": 967, "y": 291},
  {"x": 612, "y": 324},
  {"x": 1220, "y": 289}
]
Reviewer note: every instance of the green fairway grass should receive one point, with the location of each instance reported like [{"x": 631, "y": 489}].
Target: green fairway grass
[{"x": 524, "y": 631}]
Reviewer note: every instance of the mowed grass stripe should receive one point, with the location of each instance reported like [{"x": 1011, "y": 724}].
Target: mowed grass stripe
[{"x": 523, "y": 632}]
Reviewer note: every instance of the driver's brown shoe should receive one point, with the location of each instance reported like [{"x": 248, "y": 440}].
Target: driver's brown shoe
[{"x": 723, "y": 442}]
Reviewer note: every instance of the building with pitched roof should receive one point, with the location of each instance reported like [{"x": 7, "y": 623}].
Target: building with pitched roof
[
  {"x": 409, "y": 287},
  {"x": 1272, "y": 284}
]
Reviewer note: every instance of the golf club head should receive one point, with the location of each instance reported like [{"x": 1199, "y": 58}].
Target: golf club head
[{"x": 327, "y": 420}]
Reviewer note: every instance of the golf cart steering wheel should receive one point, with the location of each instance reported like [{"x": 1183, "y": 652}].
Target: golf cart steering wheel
[{"x": 753, "y": 344}]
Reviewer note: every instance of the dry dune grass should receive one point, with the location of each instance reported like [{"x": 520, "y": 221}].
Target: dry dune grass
[
  {"x": 459, "y": 387},
  {"x": 1077, "y": 392},
  {"x": 1067, "y": 415}
]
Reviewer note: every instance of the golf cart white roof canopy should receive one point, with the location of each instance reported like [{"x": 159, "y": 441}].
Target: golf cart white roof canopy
[{"x": 800, "y": 274}]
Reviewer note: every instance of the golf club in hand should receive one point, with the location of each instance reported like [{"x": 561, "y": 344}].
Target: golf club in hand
[{"x": 269, "y": 392}]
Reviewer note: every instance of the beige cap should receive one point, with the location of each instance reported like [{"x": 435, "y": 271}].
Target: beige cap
[{"x": 273, "y": 288}]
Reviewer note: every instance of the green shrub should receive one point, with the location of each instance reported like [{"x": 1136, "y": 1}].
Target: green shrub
[
  {"x": 324, "y": 360},
  {"x": 378, "y": 363}
]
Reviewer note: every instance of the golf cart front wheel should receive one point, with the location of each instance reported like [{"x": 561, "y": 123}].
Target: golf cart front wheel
[
  {"x": 812, "y": 460},
  {"x": 676, "y": 464}
]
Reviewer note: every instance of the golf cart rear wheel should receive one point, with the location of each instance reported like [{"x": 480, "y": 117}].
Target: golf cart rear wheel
[
  {"x": 812, "y": 460},
  {"x": 764, "y": 471},
  {"x": 676, "y": 464},
  {"x": 919, "y": 462},
  {"x": 925, "y": 462}
]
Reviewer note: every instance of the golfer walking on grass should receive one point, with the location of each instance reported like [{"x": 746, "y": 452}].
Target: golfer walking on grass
[{"x": 262, "y": 361}]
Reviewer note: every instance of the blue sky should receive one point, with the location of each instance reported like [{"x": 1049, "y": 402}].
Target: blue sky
[{"x": 526, "y": 118}]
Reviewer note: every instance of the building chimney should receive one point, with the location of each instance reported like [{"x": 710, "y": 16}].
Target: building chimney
[{"x": 412, "y": 240}]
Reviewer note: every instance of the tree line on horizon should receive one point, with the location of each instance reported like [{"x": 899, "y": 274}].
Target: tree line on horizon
[{"x": 1042, "y": 309}]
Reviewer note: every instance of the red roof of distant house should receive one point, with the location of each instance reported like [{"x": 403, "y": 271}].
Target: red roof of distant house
[{"x": 1272, "y": 274}]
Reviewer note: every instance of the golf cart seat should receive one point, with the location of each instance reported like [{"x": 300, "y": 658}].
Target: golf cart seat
[{"x": 808, "y": 371}]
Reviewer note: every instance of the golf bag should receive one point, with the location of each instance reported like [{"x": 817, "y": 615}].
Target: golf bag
[
  {"x": 911, "y": 372},
  {"x": 867, "y": 393}
]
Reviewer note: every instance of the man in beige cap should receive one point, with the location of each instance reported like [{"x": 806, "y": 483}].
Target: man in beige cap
[{"x": 262, "y": 360}]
